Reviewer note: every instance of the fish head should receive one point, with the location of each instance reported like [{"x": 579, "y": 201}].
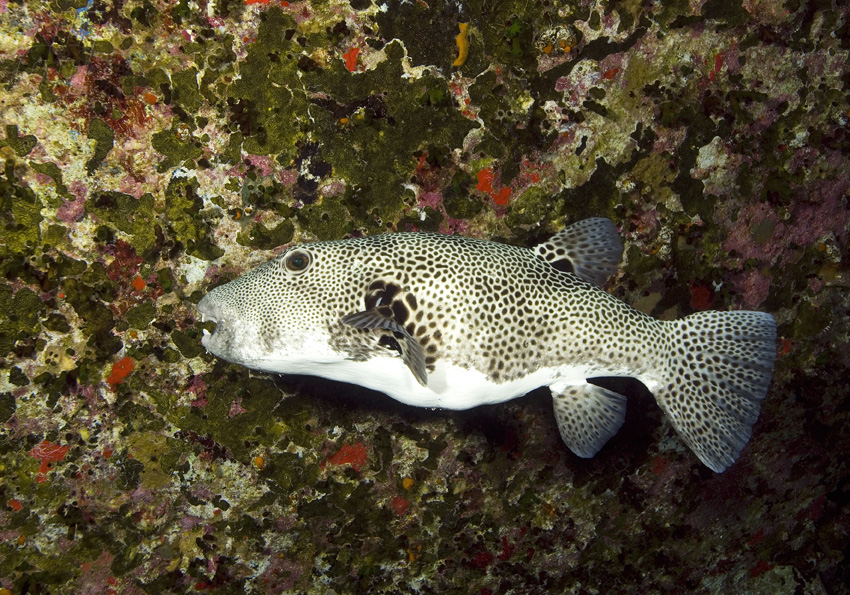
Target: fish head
[{"x": 279, "y": 316}]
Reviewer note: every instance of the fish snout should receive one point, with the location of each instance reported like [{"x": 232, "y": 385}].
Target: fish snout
[
  {"x": 235, "y": 337},
  {"x": 209, "y": 309},
  {"x": 212, "y": 309}
]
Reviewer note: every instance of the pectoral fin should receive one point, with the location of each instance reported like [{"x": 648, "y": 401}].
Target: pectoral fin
[
  {"x": 588, "y": 416},
  {"x": 381, "y": 317}
]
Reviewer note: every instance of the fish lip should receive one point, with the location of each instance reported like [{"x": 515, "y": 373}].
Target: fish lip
[{"x": 207, "y": 310}]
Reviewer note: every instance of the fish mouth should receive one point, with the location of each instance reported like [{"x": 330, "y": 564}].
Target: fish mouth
[{"x": 208, "y": 312}]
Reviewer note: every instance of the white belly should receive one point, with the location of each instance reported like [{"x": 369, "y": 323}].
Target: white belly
[{"x": 449, "y": 386}]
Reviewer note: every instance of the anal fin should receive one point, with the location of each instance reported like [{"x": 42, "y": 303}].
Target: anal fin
[
  {"x": 381, "y": 317},
  {"x": 587, "y": 415}
]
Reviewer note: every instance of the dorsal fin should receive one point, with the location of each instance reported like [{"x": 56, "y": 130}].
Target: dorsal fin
[{"x": 592, "y": 247}]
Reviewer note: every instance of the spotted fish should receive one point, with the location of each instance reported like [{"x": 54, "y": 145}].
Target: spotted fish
[{"x": 455, "y": 322}]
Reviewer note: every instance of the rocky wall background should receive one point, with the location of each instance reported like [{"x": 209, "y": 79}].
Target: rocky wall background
[{"x": 152, "y": 149}]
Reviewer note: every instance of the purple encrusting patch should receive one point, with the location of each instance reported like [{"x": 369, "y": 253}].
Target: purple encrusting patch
[
  {"x": 753, "y": 285},
  {"x": 431, "y": 199},
  {"x": 808, "y": 223},
  {"x": 71, "y": 210}
]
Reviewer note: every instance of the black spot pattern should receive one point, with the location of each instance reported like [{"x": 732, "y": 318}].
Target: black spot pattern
[
  {"x": 588, "y": 416},
  {"x": 400, "y": 305},
  {"x": 719, "y": 366},
  {"x": 483, "y": 305},
  {"x": 506, "y": 312},
  {"x": 592, "y": 247}
]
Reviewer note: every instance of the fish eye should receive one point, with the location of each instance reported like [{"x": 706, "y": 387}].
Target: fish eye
[{"x": 298, "y": 261}]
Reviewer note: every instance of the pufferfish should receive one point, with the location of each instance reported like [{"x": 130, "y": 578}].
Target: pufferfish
[{"x": 455, "y": 322}]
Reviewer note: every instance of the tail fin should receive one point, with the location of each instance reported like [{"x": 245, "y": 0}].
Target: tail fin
[{"x": 716, "y": 373}]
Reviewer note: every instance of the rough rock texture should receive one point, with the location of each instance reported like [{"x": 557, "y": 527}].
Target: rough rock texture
[{"x": 152, "y": 149}]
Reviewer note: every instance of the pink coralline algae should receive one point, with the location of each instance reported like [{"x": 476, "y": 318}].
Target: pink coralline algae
[
  {"x": 753, "y": 285},
  {"x": 235, "y": 409},
  {"x": 809, "y": 221},
  {"x": 761, "y": 235},
  {"x": 74, "y": 210},
  {"x": 197, "y": 387},
  {"x": 71, "y": 211}
]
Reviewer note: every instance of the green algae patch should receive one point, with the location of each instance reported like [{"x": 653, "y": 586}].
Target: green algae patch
[
  {"x": 52, "y": 171},
  {"x": 328, "y": 220},
  {"x": 284, "y": 471},
  {"x": 147, "y": 448},
  {"x": 349, "y": 125},
  {"x": 185, "y": 91},
  {"x": 811, "y": 320},
  {"x": 22, "y": 145},
  {"x": 459, "y": 204},
  {"x": 166, "y": 279},
  {"x": 501, "y": 32},
  {"x": 428, "y": 31},
  {"x": 233, "y": 151},
  {"x": 511, "y": 126},
  {"x": 57, "y": 323},
  {"x": 428, "y": 219},
  {"x": 188, "y": 343},
  {"x": 762, "y": 232},
  {"x": 595, "y": 197},
  {"x": 269, "y": 103},
  {"x": 238, "y": 434},
  {"x": 133, "y": 216},
  {"x": 7, "y": 406},
  {"x": 85, "y": 296},
  {"x": 139, "y": 317},
  {"x": 731, "y": 14},
  {"x": 652, "y": 176},
  {"x": 129, "y": 469},
  {"x": 185, "y": 221},
  {"x": 20, "y": 217},
  {"x": 17, "y": 376},
  {"x": 55, "y": 235},
  {"x": 355, "y": 125},
  {"x": 162, "y": 398},
  {"x": 104, "y": 138},
  {"x": 102, "y": 47},
  {"x": 178, "y": 146},
  {"x": 265, "y": 238},
  {"x": 531, "y": 207},
  {"x": 19, "y": 316}
]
